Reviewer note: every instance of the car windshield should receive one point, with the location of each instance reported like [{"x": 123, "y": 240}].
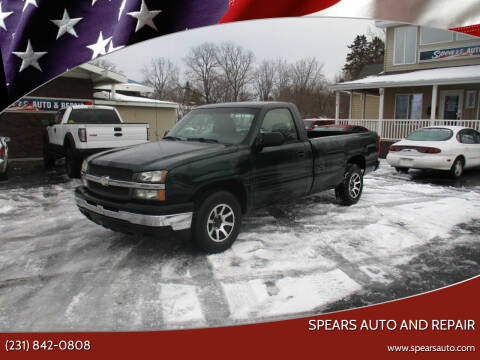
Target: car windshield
[
  {"x": 430, "y": 134},
  {"x": 93, "y": 116},
  {"x": 308, "y": 123},
  {"x": 223, "y": 125}
]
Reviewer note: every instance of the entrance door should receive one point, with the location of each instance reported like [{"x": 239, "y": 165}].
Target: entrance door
[{"x": 451, "y": 104}]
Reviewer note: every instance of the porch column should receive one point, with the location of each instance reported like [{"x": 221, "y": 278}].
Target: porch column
[
  {"x": 350, "y": 107},
  {"x": 364, "y": 104},
  {"x": 380, "y": 111},
  {"x": 433, "y": 108},
  {"x": 337, "y": 106}
]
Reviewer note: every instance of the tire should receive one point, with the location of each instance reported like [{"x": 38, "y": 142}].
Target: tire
[
  {"x": 4, "y": 176},
  {"x": 212, "y": 231},
  {"x": 456, "y": 170},
  {"x": 350, "y": 190},
  {"x": 72, "y": 164},
  {"x": 402, "y": 169}
]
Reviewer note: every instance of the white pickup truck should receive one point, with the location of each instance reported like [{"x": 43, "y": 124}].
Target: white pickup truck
[{"x": 79, "y": 131}]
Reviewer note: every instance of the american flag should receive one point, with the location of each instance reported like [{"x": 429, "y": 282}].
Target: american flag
[{"x": 41, "y": 39}]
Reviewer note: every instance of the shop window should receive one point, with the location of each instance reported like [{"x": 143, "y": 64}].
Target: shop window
[
  {"x": 408, "y": 106},
  {"x": 434, "y": 36},
  {"x": 405, "y": 45}
]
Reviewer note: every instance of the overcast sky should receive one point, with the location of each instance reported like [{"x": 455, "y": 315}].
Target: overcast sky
[{"x": 290, "y": 38}]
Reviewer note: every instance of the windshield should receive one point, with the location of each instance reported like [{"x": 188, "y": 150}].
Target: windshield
[
  {"x": 93, "y": 116},
  {"x": 430, "y": 134},
  {"x": 223, "y": 125}
]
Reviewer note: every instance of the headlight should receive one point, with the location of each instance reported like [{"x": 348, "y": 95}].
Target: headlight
[
  {"x": 149, "y": 194},
  {"x": 156, "y": 177}
]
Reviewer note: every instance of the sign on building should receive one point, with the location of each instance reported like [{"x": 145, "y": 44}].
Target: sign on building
[
  {"x": 45, "y": 104},
  {"x": 450, "y": 54}
]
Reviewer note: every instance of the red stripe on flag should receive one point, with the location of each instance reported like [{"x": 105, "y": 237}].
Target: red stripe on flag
[
  {"x": 470, "y": 30},
  {"x": 250, "y": 9}
]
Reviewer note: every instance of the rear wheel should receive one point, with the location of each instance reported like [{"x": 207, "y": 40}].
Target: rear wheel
[
  {"x": 350, "y": 190},
  {"x": 217, "y": 222},
  {"x": 402, "y": 169},
  {"x": 457, "y": 168},
  {"x": 72, "y": 164}
]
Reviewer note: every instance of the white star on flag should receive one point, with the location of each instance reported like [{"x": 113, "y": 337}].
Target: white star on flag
[
  {"x": 99, "y": 47},
  {"x": 29, "y": 2},
  {"x": 111, "y": 48},
  {"x": 144, "y": 17},
  {"x": 29, "y": 57},
  {"x": 94, "y": 1},
  {"x": 3, "y": 16},
  {"x": 66, "y": 25}
]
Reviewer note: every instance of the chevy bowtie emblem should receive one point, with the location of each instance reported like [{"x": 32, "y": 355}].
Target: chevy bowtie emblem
[{"x": 105, "y": 180}]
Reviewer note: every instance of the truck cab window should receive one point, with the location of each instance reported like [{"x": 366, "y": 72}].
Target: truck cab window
[{"x": 280, "y": 120}]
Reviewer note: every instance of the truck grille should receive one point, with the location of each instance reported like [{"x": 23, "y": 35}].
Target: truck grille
[
  {"x": 110, "y": 192},
  {"x": 113, "y": 173}
]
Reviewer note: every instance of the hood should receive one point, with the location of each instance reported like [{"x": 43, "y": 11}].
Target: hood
[{"x": 160, "y": 155}]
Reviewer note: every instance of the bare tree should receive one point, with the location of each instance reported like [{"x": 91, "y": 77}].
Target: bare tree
[
  {"x": 306, "y": 75},
  {"x": 282, "y": 91},
  {"x": 236, "y": 64},
  {"x": 203, "y": 70},
  {"x": 163, "y": 75},
  {"x": 264, "y": 80},
  {"x": 107, "y": 65}
]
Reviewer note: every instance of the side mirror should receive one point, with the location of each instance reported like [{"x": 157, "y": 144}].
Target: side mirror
[
  {"x": 7, "y": 139},
  {"x": 166, "y": 133},
  {"x": 269, "y": 140}
]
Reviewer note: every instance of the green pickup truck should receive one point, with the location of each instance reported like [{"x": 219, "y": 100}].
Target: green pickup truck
[{"x": 215, "y": 165}]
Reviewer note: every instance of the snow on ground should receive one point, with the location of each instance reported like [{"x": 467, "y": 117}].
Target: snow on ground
[{"x": 59, "y": 271}]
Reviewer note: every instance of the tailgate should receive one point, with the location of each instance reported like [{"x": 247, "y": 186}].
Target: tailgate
[{"x": 115, "y": 135}]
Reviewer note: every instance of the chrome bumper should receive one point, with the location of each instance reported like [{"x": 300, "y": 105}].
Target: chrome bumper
[{"x": 175, "y": 221}]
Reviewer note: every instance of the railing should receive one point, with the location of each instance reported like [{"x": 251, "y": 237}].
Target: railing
[{"x": 391, "y": 129}]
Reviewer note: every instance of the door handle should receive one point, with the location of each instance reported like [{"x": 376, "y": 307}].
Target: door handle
[
  {"x": 301, "y": 154},
  {"x": 54, "y": 130}
]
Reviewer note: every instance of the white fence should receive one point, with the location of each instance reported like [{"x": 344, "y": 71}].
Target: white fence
[{"x": 391, "y": 129}]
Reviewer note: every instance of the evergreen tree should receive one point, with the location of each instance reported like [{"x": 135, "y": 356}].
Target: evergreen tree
[{"x": 363, "y": 52}]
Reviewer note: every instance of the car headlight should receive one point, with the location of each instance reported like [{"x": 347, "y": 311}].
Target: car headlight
[
  {"x": 155, "y": 177},
  {"x": 149, "y": 194},
  {"x": 151, "y": 177}
]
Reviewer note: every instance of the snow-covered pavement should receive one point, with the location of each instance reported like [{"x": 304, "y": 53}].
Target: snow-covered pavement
[{"x": 59, "y": 271}]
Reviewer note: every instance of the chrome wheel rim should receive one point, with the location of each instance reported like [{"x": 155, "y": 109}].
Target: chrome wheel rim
[
  {"x": 458, "y": 168},
  {"x": 355, "y": 185},
  {"x": 220, "y": 223}
]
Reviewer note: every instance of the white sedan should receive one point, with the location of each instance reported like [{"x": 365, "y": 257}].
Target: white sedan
[{"x": 450, "y": 148}]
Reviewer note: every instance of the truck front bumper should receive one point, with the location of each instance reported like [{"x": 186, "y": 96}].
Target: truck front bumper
[{"x": 125, "y": 218}]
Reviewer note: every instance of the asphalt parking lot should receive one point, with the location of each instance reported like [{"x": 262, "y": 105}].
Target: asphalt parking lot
[{"x": 410, "y": 233}]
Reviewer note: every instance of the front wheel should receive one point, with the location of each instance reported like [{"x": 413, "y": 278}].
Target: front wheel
[
  {"x": 350, "y": 190},
  {"x": 217, "y": 222}
]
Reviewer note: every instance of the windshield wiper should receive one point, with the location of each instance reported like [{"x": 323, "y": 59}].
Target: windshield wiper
[
  {"x": 172, "y": 138},
  {"x": 203, "y": 140}
]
